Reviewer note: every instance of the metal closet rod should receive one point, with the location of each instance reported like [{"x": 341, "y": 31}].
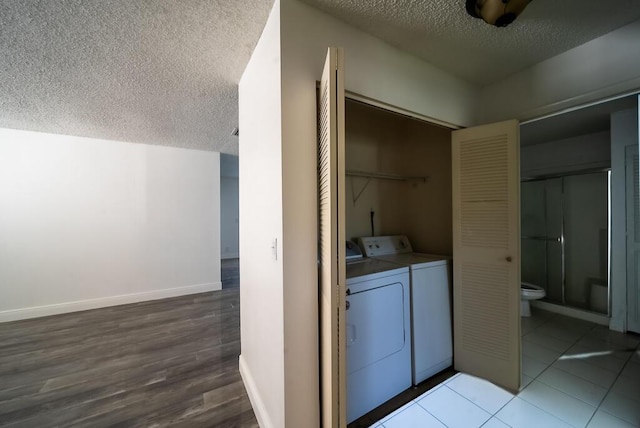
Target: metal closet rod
[{"x": 385, "y": 176}]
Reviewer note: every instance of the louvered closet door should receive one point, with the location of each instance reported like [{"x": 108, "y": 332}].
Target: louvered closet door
[
  {"x": 333, "y": 368},
  {"x": 633, "y": 239},
  {"x": 486, "y": 252}
]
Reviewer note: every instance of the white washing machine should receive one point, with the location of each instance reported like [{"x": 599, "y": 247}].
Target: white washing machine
[
  {"x": 431, "y": 322},
  {"x": 378, "y": 332}
]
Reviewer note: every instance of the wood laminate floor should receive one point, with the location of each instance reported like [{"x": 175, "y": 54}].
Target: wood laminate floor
[
  {"x": 230, "y": 273},
  {"x": 171, "y": 362}
]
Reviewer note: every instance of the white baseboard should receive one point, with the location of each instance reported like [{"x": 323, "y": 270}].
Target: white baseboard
[
  {"x": 83, "y": 305},
  {"x": 571, "y": 312},
  {"x": 252, "y": 391},
  {"x": 618, "y": 324}
]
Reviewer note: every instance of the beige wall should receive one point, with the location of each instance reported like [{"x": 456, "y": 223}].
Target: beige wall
[
  {"x": 381, "y": 141},
  {"x": 373, "y": 69}
]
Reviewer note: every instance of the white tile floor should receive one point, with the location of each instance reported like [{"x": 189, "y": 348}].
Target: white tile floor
[{"x": 575, "y": 374}]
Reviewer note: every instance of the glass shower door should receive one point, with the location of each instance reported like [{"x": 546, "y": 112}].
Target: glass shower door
[
  {"x": 564, "y": 244},
  {"x": 541, "y": 244}
]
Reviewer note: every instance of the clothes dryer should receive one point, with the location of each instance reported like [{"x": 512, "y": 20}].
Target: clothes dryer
[
  {"x": 378, "y": 333},
  {"x": 431, "y": 322}
]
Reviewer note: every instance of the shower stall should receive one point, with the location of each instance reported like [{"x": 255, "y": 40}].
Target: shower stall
[{"x": 565, "y": 238}]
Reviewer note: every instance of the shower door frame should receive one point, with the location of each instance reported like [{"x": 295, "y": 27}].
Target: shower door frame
[{"x": 561, "y": 238}]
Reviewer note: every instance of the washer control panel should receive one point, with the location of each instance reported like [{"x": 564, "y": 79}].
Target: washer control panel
[{"x": 373, "y": 246}]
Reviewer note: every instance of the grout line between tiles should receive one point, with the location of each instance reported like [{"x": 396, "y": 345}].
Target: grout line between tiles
[{"x": 434, "y": 416}]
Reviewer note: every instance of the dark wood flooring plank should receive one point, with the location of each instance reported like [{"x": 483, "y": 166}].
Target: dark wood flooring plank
[{"x": 161, "y": 363}]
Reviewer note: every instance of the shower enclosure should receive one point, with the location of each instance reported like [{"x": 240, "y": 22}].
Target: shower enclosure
[{"x": 565, "y": 238}]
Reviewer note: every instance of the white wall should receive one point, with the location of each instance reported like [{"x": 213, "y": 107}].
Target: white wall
[
  {"x": 624, "y": 132},
  {"x": 373, "y": 69},
  {"x": 229, "y": 207},
  {"x": 568, "y": 155},
  {"x": 262, "y": 362},
  {"x": 86, "y": 223},
  {"x": 606, "y": 66}
]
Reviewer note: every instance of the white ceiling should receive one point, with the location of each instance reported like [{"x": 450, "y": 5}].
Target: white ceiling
[
  {"x": 148, "y": 71},
  {"x": 166, "y": 72}
]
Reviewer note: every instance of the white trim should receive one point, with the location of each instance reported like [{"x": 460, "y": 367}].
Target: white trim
[
  {"x": 571, "y": 312},
  {"x": 602, "y": 95},
  {"x": 259, "y": 409},
  {"x": 398, "y": 110},
  {"x": 102, "y": 302}
]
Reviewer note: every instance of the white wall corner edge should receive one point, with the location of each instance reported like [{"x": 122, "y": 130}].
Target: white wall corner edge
[
  {"x": 103, "y": 302},
  {"x": 259, "y": 408}
]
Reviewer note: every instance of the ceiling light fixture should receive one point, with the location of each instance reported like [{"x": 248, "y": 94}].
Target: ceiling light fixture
[{"x": 496, "y": 12}]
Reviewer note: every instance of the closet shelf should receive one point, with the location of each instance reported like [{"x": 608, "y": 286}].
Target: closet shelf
[{"x": 385, "y": 176}]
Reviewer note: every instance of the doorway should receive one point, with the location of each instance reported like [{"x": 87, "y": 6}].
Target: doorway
[{"x": 229, "y": 224}]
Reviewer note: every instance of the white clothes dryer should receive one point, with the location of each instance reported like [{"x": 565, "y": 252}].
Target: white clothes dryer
[
  {"x": 378, "y": 333},
  {"x": 431, "y": 322}
]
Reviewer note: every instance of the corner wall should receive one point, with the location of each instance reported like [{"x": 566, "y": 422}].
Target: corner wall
[
  {"x": 262, "y": 361},
  {"x": 375, "y": 70},
  {"x": 87, "y": 223}
]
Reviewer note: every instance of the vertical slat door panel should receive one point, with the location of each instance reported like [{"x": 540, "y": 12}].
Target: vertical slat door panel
[
  {"x": 633, "y": 239},
  {"x": 332, "y": 242},
  {"x": 486, "y": 252}
]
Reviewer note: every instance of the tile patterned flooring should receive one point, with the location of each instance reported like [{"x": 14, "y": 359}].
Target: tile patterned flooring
[{"x": 574, "y": 374}]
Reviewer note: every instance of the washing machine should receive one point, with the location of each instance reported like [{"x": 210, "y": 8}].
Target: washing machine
[
  {"x": 430, "y": 285},
  {"x": 378, "y": 330}
]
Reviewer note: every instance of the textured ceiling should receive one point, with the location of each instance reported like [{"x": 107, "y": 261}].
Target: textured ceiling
[
  {"x": 156, "y": 71},
  {"x": 442, "y": 33},
  {"x": 166, "y": 71}
]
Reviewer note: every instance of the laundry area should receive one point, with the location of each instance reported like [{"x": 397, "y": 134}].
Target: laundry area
[{"x": 399, "y": 267}]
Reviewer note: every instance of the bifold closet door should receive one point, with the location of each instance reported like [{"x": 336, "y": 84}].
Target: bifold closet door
[
  {"x": 332, "y": 243},
  {"x": 486, "y": 252}
]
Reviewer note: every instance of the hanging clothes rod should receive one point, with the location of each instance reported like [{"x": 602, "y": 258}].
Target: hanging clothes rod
[{"x": 385, "y": 176}]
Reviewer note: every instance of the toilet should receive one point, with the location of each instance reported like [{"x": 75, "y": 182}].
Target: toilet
[{"x": 529, "y": 292}]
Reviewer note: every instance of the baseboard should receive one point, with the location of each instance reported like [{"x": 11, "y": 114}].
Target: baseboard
[
  {"x": 230, "y": 256},
  {"x": 618, "y": 324},
  {"x": 83, "y": 305},
  {"x": 571, "y": 312},
  {"x": 252, "y": 391}
]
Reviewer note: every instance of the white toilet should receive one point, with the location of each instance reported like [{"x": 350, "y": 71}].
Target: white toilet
[{"x": 529, "y": 292}]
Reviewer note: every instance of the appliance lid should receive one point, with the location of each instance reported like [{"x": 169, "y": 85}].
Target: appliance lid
[{"x": 353, "y": 251}]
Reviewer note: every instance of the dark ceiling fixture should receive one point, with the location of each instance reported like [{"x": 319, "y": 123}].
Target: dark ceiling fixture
[{"x": 496, "y": 12}]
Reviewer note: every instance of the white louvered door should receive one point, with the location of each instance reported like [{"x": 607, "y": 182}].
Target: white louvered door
[
  {"x": 331, "y": 174},
  {"x": 633, "y": 239},
  {"x": 486, "y": 252}
]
